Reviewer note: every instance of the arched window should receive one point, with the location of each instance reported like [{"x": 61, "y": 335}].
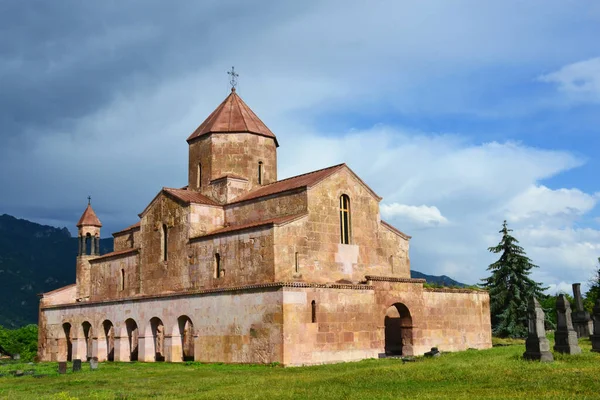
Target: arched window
[
  {"x": 297, "y": 265},
  {"x": 313, "y": 311},
  {"x": 217, "y": 265},
  {"x": 199, "y": 176},
  {"x": 165, "y": 241},
  {"x": 122, "y": 279},
  {"x": 345, "y": 219},
  {"x": 260, "y": 172}
]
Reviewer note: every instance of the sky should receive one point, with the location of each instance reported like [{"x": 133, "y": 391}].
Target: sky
[{"x": 459, "y": 113}]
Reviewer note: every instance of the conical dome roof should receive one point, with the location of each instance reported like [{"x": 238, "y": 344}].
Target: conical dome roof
[
  {"x": 89, "y": 218},
  {"x": 232, "y": 116}
]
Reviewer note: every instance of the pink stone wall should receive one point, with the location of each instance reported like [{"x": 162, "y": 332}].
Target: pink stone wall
[
  {"x": 115, "y": 277},
  {"x": 265, "y": 208}
]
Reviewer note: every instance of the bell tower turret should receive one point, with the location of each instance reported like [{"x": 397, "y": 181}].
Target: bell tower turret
[{"x": 88, "y": 237}]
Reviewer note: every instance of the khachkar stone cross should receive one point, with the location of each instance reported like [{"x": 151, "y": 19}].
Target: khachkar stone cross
[
  {"x": 595, "y": 337},
  {"x": 537, "y": 346},
  {"x": 565, "y": 337},
  {"x": 581, "y": 318}
]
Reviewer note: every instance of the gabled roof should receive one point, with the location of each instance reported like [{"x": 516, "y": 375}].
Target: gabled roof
[
  {"x": 89, "y": 218},
  {"x": 183, "y": 196},
  {"x": 300, "y": 181},
  {"x": 232, "y": 116},
  {"x": 129, "y": 228},
  {"x": 118, "y": 253},
  {"x": 272, "y": 221},
  {"x": 397, "y": 231}
]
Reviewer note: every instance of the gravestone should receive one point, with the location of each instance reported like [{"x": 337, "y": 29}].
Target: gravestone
[
  {"x": 565, "y": 337},
  {"x": 94, "y": 363},
  {"x": 595, "y": 337},
  {"x": 537, "y": 346},
  {"x": 76, "y": 365},
  {"x": 16, "y": 356},
  {"x": 62, "y": 367},
  {"x": 433, "y": 353},
  {"x": 581, "y": 318}
]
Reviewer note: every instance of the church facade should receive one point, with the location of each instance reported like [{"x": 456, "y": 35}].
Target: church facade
[{"x": 240, "y": 267}]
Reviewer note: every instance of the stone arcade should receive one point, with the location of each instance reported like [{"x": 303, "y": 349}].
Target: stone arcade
[{"x": 240, "y": 267}]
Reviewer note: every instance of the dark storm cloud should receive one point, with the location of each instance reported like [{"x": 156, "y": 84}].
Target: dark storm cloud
[{"x": 60, "y": 60}]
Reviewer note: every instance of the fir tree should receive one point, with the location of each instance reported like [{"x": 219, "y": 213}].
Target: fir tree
[
  {"x": 593, "y": 293},
  {"x": 510, "y": 287}
]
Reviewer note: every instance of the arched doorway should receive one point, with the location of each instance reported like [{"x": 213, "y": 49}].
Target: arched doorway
[
  {"x": 67, "y": 353},
  {"x": 398, "y": 331},
  {"x": 87, "y": 334},
  {"x": 133, "y": 336},
  {"x": 186, "y": 331},
  {"x": 158, "y": 335},
  {"x": 109, "y": 335}
]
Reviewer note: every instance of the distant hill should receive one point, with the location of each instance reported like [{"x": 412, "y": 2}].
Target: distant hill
[
  {"x": 37, "y": 258},
  {"x": 34, "y": 258},
  {"x": 440, "y": 280}
]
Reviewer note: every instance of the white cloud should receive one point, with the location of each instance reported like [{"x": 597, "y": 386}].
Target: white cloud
[
  {"x": 423, "y": 215},
  {"x": 538, "y": 201},
  {"x": 579, "y": 81}
]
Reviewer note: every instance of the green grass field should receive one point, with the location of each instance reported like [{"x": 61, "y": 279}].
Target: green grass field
[{"x": 498, "y": 373}]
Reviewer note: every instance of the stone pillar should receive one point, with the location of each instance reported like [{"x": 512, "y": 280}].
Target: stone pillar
[
  {"x": 537, "y": 346},
  {"x": 100, "y": 349},
  {"x": 565, "y": 336},
  {"x": 173, "y": 348},
  {"x": 97, "y": 246},
  {"x": 595, "y": 337},
  {"x": 122, "y": 352},
  {"x": 79, "y": 349},
  {"x": 146, "y": 349},
  {"x": 581, "y": 318}
]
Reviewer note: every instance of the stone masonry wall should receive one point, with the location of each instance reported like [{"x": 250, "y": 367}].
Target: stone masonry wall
[
  {"x": 316, "y": 239},
  {"x": 157, "y": 275},
  {"x": 232, "y": 327},
  {"x": 205, "y": 219},
  {"x": 199, "y": 153},
  {"x": 115, "y": 277},
  {"x": 270, "y": 207},
  {"x": 246, "y": 257},
  {"x": 127, "y": 240}
]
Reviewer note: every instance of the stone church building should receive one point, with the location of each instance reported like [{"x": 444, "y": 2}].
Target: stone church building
[{"x": 240, "y": 267}]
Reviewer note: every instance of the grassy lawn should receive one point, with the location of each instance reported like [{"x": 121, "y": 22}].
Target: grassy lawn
[{"x": 498, "y": 373}]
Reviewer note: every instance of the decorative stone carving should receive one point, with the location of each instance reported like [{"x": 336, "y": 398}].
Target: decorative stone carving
[
  {"x": 595, "y": 337},
  {"x": 565, "y": 336},
  {"x": 581, "y": 318},
  {"x": 537, "y": 346}
]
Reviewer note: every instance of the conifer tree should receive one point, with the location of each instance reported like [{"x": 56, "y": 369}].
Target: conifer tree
[
  {"x": 510, "y": 287},
  {"x": 593, "y": 293}
]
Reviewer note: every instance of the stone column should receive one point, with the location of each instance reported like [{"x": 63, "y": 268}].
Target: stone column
[
  {"x": 122, "y": 352},
  {"x": 79, "y": 349},
  {"x": 100, "y": 348},
  {"x": 581, "y": 318},
  {"x": 565, "y": 336},
  {"x": 173, "y": 348},
  {"x": 537, "y": 346},
  {"x": 595, "y": 337},
  {"x": 97, "y": 246},
  {"x": 146, "y": 349}
]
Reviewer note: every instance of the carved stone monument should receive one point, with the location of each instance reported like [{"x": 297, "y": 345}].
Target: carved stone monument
[
  {"x": 595, "y": 337},
  {"x": 94, "y": 363},
  {"x": 62, "y": 367},
  {"x": 537, "y": 346},
  {"x": 582, "y": 323},
  {"x": 76, "y": 365},
  {"x": 565, "y": 336}
]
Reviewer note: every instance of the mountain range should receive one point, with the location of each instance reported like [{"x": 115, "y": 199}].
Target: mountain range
[{"x": 37, "y": 258}]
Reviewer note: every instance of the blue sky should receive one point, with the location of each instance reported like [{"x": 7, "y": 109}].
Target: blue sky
[{"x": 459, "y": 113}]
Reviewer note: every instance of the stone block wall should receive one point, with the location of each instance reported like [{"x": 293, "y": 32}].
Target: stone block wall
[
  {"x": 159, "y": 276},
  {"x": 281, "y": 205},
  {"x": 204, "y": 219},
  {"x": 373, "y": 249},
  {"x": 126, "y": 240},
  {"x": 345, "y": 328},
  {"x": 243, "y": 326},
  {"x": 246, "y": 257},
  {"x": 115, "y": 277}
]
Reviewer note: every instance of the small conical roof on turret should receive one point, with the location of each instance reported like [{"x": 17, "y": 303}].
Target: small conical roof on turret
[
  {"x": 232, "y": 116},
  {"x": 89, "y": 218}
]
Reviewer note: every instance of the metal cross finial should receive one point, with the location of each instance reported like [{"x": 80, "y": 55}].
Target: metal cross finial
[
  {"x": 233, "y": 80},
  {"x": 89, "y": 200}
]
